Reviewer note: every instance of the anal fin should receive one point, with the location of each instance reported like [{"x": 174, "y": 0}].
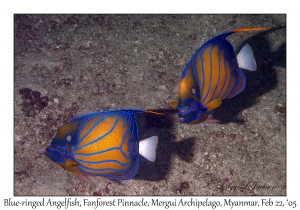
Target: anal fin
[
  {"x": 84, "y": 178},
  {"x": 208, "y": 120}
]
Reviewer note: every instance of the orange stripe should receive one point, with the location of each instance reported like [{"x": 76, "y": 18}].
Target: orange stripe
[
  {"x": 231, "y": 83},
  {"x": 228, "y": 80},
  {"x": 106, "y": 165},
  {"x": 206, "y": 60},
  {"x": 109, "y": 155},
  {"x": 214, "y": 73},
  {"x": 237, "y": 87},
  {"x": 222, "y": 71},
  {"x": 186, "y": 84},
  {"x": 110, "y": 172},
  {"x": 199, "y": 71},
  {"x": 113, "y": 139},
  {"x": 91, "y": 135}
]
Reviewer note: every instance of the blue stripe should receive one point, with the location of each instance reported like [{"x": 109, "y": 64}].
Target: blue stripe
[
  {"x": 232, "y": 75},
  {"x": 114, "y": 148},
  {"x": 101, "y": 170},
  {"x": 103, "y": 161},
  {"x": 133, "y": 165},
  {"x": 117, "y": 174},
  {"x": 219, "y": 70},
  {"x": 210, "y": 68},
  {"x": 124, "y": 136},
  {"x": 225, "y": 80},
  {"x": 101, "y": 137},
  {"x": 84, "y": 124},
  {"x": 96, "y": 153}
]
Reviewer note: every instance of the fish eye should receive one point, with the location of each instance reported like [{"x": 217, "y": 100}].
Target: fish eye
[{"x": 68, "y": 138}]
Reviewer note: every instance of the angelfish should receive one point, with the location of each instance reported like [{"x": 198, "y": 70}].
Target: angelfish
[
  {"x": 213, "y": 74},
  {"x": 103, "y": 143}
]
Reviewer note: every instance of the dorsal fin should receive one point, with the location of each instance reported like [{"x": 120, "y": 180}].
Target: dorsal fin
[
  {"x": 248, "y": 29},
  {"x": 228, "y": 33}
]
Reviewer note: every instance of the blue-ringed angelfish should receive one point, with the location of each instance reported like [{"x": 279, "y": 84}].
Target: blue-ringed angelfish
[
  {"x": 212, "y": 75},
  {"x": 103, "y": 143}
]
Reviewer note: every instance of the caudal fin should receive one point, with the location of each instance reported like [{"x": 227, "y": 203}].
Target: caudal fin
[
  {"x": 147, "y": 148},
  {"x": 246, "y": 59}
]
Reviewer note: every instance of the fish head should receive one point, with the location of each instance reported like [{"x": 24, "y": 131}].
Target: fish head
[
  {"x": 190, "y": 109},
  {"x": 59, "y": 155},
  {"x": 192, "y": 113},
  {"x": 188, "y": 87},
  {"x": 59, "y": 149}
]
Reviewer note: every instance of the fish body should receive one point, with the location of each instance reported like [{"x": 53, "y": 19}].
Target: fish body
[
  {"x": 212, "y": 75},
  {"x": 103, "y": 143}
]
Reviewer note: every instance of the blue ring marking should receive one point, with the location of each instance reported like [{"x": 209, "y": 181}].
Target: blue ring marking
[
  {"x": 133, "y": 138},
  {"x": 101, "y": 137}
]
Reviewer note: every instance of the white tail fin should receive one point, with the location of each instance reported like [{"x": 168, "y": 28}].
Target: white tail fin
[
  {"x": 246, "y": 59},
  {"x": 147, "y": 148}
]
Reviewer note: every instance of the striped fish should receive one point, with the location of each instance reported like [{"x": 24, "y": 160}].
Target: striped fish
[
  {"x": 103, "y": 144},
  {"x": 212, "y": 75}
]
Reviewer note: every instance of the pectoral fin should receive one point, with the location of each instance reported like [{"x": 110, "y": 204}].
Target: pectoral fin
[
  {"x": 173, "y": 104},
  {"x": 84, "y": 178},
  {"x": 213, "y": 104},
  {"x": 211, "y": 121},
  {"x": 72, "y": 166},
  {"x": 70, "y": 163}
]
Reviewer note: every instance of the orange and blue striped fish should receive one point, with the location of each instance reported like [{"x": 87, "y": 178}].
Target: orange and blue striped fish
[
  {"x": 212, "y": 75},
  {"x": 103, "y": 143}
]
